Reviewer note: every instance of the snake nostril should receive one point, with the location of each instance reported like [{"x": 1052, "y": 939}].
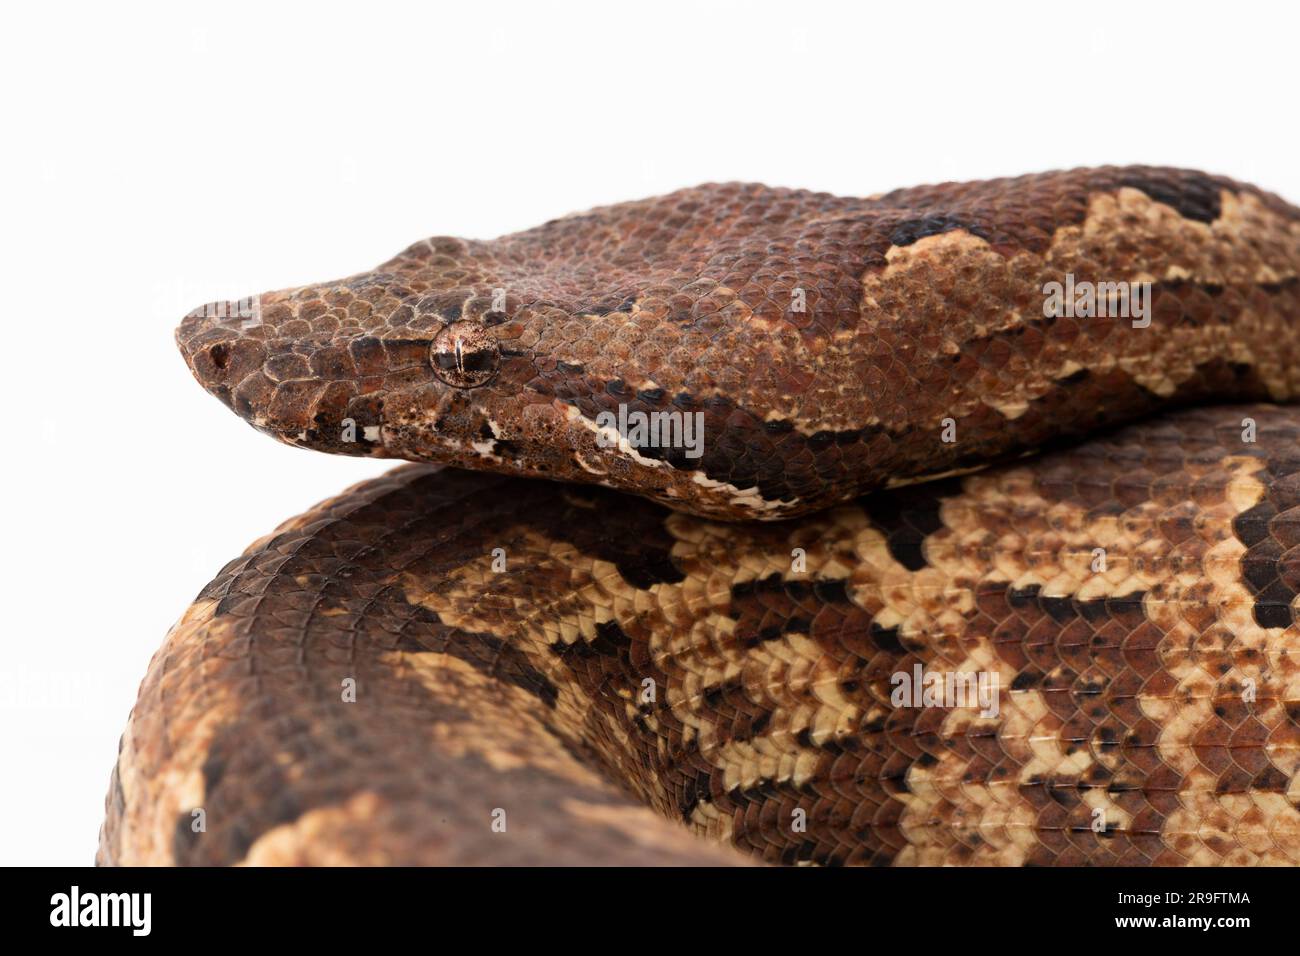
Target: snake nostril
[
  {"x": 465, "y": 355},
  {"x": 220, "y": 354}
]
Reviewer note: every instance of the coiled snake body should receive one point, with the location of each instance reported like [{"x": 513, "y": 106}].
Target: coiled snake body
[{"x": 1087, "y": 656}]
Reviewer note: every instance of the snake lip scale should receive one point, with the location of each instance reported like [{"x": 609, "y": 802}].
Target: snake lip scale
[{"x": 893, "y": 455}]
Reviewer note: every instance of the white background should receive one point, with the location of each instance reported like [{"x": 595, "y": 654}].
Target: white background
[{"x": 156, "y": 158}]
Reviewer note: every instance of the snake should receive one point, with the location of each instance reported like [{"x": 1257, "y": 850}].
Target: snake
[{"x": 956, "y": 525}]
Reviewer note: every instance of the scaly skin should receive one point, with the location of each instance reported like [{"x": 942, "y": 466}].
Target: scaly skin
[{"x": 1155, "y": 695}]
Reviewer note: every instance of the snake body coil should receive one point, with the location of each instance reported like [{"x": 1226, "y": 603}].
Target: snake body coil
[{"x": 1087, "y": 657}]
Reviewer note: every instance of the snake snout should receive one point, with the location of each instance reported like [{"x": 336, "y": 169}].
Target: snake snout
[{"x": 223, "y": 345}]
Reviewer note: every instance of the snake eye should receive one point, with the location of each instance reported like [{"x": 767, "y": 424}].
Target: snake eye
[{"x": 465, "y": 355}]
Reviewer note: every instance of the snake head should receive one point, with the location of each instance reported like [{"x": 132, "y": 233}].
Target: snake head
[
  {"x": 433, "y": 357},
  {"x": 477, "y": 376},
  {"x": 374, "y": 365},
  {"x": 514, "y": 355},
  {"x": 441, "y": 355}
]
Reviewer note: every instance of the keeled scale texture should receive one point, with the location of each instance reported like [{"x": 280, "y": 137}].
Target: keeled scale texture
[
  {"x": 825, "y": 340},
  {"x": 1163, "y": 691}
]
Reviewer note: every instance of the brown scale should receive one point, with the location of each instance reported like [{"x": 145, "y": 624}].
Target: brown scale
[{"x": 1157, "y": 690}]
